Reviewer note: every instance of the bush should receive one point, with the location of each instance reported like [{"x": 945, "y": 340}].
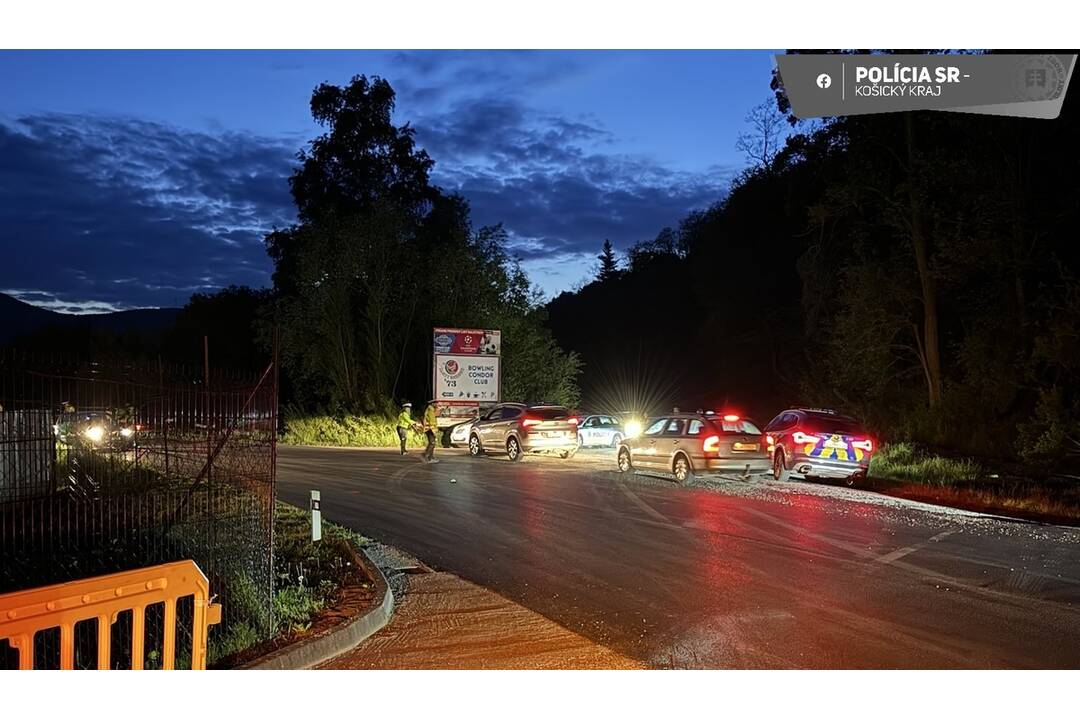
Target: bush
[
  {"x": 347, "y": 431},
  {"x": 910, "y": 462}
]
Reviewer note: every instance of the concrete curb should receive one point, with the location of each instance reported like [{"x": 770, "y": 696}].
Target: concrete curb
[{"x": 310, "y": 652}]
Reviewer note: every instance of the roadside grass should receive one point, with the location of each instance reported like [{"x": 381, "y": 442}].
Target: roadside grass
[
  {"x": 346, "y": 431},
  {"x": 915, "y": 472},
  {"x": 307, "y": 576},
  {"x": 907, "y": 461}
]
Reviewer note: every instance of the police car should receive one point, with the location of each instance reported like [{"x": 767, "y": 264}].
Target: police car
[{"x": 818, "y": 442}]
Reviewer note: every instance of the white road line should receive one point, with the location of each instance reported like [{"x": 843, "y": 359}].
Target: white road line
[{"x": 901, "y": 552}]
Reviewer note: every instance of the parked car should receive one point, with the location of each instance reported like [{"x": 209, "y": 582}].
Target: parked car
[
  {"x": 819, "y": 442},
  {"x": 96, "y": 430},
  {"x": 686, "y": 444},
  {"x": 599, "y": 431},
  {"x": 517, "y": 429}
]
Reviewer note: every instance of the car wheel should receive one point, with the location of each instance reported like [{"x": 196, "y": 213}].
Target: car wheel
[
  {"x": 564, "y": 454},
  {"x": 513, "y": 449},
  {"x": 855, "y": 479},
  {"x": 474, "y": 446},
  {"x": 616, "y": 439},
  {"x": 778, "y": 470},
  {"x": 624, "y": 461},
  {"x": 681, "y": 469}
]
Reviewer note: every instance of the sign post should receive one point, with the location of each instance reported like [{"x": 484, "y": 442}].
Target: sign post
[
  {"x": 316, "y": 517},
  {"x": 466, "y": 372}
]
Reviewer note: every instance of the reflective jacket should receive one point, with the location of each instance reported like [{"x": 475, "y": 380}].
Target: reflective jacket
[
  {"x": 430, "y": 419},
  {"x": 404, "y": 420}
]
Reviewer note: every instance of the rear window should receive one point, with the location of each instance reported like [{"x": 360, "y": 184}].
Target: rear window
[
  {"x": 549, "y": 413},
  {"x": 822, "y": 422},
  {"x": 741, "y": 426}
]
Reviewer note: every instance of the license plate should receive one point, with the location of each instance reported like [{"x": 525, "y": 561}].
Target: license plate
[
  {"x": 751, "y": 447},
  {"x": 553, "y": 433}
]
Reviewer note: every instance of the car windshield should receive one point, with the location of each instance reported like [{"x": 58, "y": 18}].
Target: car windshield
[{"x": 549, "y": 413}]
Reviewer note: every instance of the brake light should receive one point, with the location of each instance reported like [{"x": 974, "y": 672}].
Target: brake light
[
  {"x": 867, "y": 445},
  {"x": 711, "y": 444},
  {"x": 573, "y": 421},
  {"x": 801, "y": 438},
  {"x": 530, "y": 421},
  {"x": 731, "y": 418},
  {"x": 770, "y": 440}
]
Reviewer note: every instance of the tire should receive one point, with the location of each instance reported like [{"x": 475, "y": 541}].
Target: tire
[
  {"x": 475, "y": 448},
  {"x": 855, "y": 479},
  {"x": 625, "y": 465},
  {"x": 513, "y": 449},
  {"x": 564, "y": 454},
  {"x": 616, "y": 439},
  {"x": 779, "y": 469},
  {"x": 681, "y": 468}
]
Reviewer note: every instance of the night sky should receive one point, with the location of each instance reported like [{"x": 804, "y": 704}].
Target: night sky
[{"x": 133, "y": 179}]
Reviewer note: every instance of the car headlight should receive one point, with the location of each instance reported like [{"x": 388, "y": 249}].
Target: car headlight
[
  {"x": 127, "y": 432},
  {"x": 633, "y": 429},
  {"x": 94, "y": 433}
]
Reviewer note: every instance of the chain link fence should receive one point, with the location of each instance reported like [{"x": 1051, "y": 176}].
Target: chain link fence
[{"x": 108, "y": 466}]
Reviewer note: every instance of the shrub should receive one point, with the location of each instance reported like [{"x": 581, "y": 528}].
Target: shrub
[
  {"x": 908, "y": 461},
  {"x": 347, "y": 431}
]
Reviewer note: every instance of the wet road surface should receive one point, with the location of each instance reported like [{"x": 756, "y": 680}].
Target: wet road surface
[{"x": 721, "y": 574}]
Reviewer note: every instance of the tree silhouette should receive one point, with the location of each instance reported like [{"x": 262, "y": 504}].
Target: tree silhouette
[{"x": 609, "y": 264}]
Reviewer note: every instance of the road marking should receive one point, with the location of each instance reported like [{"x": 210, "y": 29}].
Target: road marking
[{"x": 901, "y": 552}]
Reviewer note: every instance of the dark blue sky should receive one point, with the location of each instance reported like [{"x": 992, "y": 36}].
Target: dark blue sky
[{"x": 136, "y": 178}]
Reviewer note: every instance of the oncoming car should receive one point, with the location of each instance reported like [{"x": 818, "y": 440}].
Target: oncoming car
[
  {"x": 95, "y": 430},
  {"x": 685, "y": 444},
  {"x": 599, "y": 431},
  {"x": 516, "y": 429},
  {"x": 815, "y": 442}
]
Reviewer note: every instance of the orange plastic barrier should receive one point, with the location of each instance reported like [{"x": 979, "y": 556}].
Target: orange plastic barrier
[{"x": 26, "y": 612}]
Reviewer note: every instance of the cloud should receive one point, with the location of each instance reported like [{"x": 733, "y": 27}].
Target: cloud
[
  {"x": 112, "y": 212},
  {"x": 554, "y": 181}
]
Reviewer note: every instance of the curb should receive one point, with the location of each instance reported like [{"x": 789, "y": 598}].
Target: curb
[{"x": 310, "y": 652}]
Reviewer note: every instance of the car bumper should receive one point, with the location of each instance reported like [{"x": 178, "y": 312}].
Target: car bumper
[
  {"x": 738, "y": 465},
  {"x": 534, "y": 443},
  {"x": 817, "y": 467}
]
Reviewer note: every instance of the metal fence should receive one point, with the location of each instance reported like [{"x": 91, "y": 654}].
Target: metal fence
[{"x": 108, "y": 466}]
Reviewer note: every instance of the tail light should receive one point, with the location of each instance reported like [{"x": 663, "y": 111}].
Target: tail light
[
  {"x": 711, "y": 444},
  {"x": 573, "y": 420},
  {"x": 867, "y": 445},
  {"x": 530, "y": 421},
  {"x": 731, "y": 418},
  {"x": 801, "y": 438},
  {"x": 770, "y": 441}
]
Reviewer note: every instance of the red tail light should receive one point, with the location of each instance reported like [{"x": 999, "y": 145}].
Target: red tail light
[
  {"x": 866, "y": 444},
  {"x": 573, "y": 421},
  {"x": 801, "y": 438},
  {"x": 530, "y": 421},
  {"x": 770, "y": 440},
  {"x": 711, "y": 444}
]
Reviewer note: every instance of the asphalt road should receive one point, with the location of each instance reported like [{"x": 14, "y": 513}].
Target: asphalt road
[{"x": 726, "y": 574}]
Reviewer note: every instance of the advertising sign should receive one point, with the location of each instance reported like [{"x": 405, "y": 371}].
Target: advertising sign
[
  {"x": 466, "y": 378},
  {"x": 454, "y": 341}
]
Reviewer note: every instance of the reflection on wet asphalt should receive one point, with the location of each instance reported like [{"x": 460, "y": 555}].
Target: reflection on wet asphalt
[{"x": 719, "y": 573}]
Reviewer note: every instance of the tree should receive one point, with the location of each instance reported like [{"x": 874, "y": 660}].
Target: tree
[
  {"x": 609, "y": 264},
  {"x": 761, "y": 143}
]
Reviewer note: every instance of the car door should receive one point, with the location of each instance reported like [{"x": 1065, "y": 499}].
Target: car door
[
  {"x": 587, "y": 431},
  {"x": 508, "y": 422},
  {"x": 485, "y": 427},
  {"x": 644, "y": 449},
  {"x": 671, "y": 440}
]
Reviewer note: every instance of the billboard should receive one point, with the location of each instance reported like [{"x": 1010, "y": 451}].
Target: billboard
[
  {"x": 467, "y": 379},
  {"x": 455, "y": 341}
]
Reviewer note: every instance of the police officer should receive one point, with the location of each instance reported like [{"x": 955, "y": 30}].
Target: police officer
[
  {"x": 430, "y": 425},
  {"x": 404, "y": 422}
]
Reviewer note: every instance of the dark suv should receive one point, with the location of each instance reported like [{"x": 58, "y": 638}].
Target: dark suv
[{"x": 816, "y": 442}]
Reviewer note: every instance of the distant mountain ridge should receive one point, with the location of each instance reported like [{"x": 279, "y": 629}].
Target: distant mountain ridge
[{"x": 18, "y": 319}]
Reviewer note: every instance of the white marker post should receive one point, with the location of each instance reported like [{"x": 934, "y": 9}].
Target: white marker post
[{"x": 316, "y": 517}]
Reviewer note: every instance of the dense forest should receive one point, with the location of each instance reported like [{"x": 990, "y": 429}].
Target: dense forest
[{"x": 917, "y": 269}]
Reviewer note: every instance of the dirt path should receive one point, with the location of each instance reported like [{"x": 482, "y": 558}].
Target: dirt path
[{"x": 445, "y": 622}]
